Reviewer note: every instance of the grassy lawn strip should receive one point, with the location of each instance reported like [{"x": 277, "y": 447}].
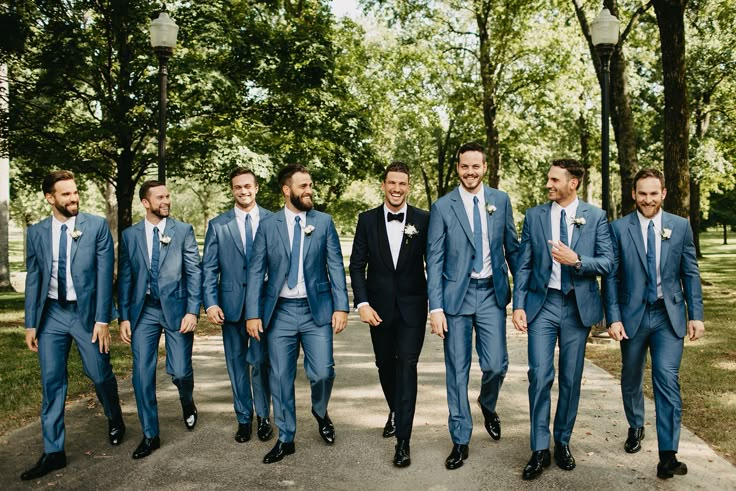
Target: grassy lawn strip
[
  {"x": 708, "y": 371},
  {"x": 20, "y": 379}
]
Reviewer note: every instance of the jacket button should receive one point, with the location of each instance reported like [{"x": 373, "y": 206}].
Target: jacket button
[
  {"x": 243, "y": 284},
  {"x": 473, "y": 256},
  {"x": 468, "y": 275},
  {"x": 244, "y": 268},
  {"x": 545, "y": 285}
]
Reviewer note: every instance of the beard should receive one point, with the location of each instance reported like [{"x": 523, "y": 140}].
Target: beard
[
  {"x": 161, "y": 214},
  {"x": 299, "y": 204},
  {"x": 65, "y": 211}
]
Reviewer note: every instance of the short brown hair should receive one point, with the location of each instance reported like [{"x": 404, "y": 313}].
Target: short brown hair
[
  {"x": 49, "y": 182},
  {"x": 396, "y": 166},
  {"x": 471, "y": 147},
  {"x": 241, "y": 171},
  {"x": 287, "y": 172},
  {"x": 573, "y": 167},
  {"x": 646, "y": 174},
  {"x": 146, "y": 187}
]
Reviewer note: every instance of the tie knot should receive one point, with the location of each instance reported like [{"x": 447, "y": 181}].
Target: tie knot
[
  {"x": 475, "y": 200},
  {"x": 155, "y": 231},
  {"x": 563, "y": 214},
  {"x": 651, "y": 223},
  {"x": 63, "y": 227},
  {"x": 247, "y": 217},
  {"x": 298, "y": 219}
]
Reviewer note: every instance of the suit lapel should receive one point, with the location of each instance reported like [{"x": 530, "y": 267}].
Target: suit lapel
[
  {"x": 582, "y": 212},
  {"x": 665, "y": 247},
  {"x": 405, "y": 241},
  {"x": 232, "y": 226},
  {"x": 546, "y": 217},
  {"x": 307, "y": 238},
  {"x": 142, "y": 244},
  {"x": 169, "y": 231},
  {"x": 78, "y": 225},
  {"x": 383, "y": 245},
  {"x": 459, "y": 208},
  {"x": 282, "y": 230},
  {"x": 490, "y": 201},
  {"x": 48, "y": 246},
  {"x": 635, "y": 233}
]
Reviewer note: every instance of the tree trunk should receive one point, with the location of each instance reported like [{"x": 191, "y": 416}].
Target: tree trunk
[
  {"x": 725, "y": 234},
  {"x": 489, "y": 103},
  {"x": 5, "y": 284},
  {"x": 671, "y": 21},
  {"x": 695, "y": 214},
  {"x": 124, "y": 191},
  {"x": 586, "y": 190}
]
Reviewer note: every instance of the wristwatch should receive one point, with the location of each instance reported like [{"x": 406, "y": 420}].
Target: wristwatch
[{"x": 579, "y": 263}]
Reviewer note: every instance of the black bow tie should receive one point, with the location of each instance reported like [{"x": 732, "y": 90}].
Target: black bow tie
[{"x": 395, "y": 216}]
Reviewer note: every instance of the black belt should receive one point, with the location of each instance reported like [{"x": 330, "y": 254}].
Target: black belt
[
  {"x": 67, "y": 304},
  {"x": 658, "y": 304},
  {"x": 482, "y": 282},
  {"x": 152, "y": 302}
]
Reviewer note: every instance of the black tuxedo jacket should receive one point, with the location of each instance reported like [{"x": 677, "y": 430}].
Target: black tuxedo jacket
[{"x": 387, "y": 288}]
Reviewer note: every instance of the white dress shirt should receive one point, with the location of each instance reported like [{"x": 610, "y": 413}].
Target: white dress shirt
[
  {"x": 300, "y": 290},
  {"x": 149, "y": 241},
  {"x": 71, "y": 294},
  {"x": 644, "y": 224},
  {"x": 395, "y": 232},
  {"x": 255, "y": 219},
  {"x": 469, "y": 205},
  {"x": 555, "y": 279}
]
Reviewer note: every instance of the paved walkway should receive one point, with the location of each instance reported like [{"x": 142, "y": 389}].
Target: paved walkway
[{"x": 209, "y": 458}]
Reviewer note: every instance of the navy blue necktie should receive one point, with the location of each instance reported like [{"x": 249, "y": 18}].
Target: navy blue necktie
[
  {"x": 565, "y": 281},
  {"x": 248, "y": 236},
  {"x": 477, "y": 237},
  {"x": 155, "y": 255},
  {"x": 61, "y": 273},
  {"x": 651, "y": 264},
  {"x": 296, "y": 247}
]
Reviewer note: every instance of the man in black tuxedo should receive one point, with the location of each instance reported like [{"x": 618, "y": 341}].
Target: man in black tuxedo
[{"x": 390, "y": 242}]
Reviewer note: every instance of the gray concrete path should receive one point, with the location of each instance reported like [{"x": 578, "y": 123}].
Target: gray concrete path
[{"x": 209, "y": 458}]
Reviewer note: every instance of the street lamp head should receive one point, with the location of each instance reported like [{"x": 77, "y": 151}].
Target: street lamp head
[
  {"x": 604, "y": 29},
  {"x": 163, "y": 32}
]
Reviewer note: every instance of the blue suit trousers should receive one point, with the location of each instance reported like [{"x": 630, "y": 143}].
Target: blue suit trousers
[
  {"x": 145, "y": 340},
  {"x": 59, "y": 327},
  {"x": 656, "y": 334},
  {"x": 479, "y": 310},
  {"x": 291, "y": 326},
  {"x": 558, "y": 320},
  {"x": 247, "y": 365}
]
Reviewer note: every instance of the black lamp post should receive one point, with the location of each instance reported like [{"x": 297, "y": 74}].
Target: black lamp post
[
  {"x": 163, "y": 39},
  {"x": 604, "y": 34}
]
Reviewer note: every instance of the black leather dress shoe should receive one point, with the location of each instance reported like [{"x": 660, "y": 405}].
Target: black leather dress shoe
[
  {"x": 564, "y": 457},
  {"x": 326, "y": 428},
  {"x": 190, "y": 415},
  {"x": 115, "y": 431},
  {"x": 491, "y": 421},
  {"x": 633, "y": 441},
  {"x": 146, "y": 447},
  {"x": 47, "y": 463},
  {"x": 540, "y": 459},
  {"x": 456, "y": 457},
  {"x": 265, "y": 431},
  {"x": 402, "y": 457},
  {"x": 243, "y": 433},
  {"x": 390, "y": 429},
  {"x": 279, "y": 451},
  {"x": 671, "y": 468}
]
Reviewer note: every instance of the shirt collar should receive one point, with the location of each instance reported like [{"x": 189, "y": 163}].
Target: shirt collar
[
  {"x": 290, "y": 215},
  {"x": 468, "y": 197},
  {"x": 386, "y": 211},
  {"x": 644, "y": 221},
  {"x": 70, "y": 223},
  {"x": 161, "y": 225},
  {"x": 240, "y": 214},
  {"x": 570, "y": 210}
]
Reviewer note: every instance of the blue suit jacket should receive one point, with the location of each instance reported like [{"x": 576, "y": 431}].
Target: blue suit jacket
[
  {"x": 324, "y": 272},
  {"x": 224, "y": 265},
  {"x": 592, "y": 241},
  {"x": 179, "y": 274},
  {"x": 626, "y": 285},
  {"x": 92, "y": 261},
  {"x": 450, "y": 249}
]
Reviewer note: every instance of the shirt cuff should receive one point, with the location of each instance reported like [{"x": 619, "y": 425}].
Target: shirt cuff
[
  {"x": 210, "y": 307},
  {"x": 360, "y": 305},
  {"x": 436, "y": 310}
]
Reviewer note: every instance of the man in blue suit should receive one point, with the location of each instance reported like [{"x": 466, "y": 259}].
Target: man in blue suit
[
  {"x": 305, "y": 299},
  {"x": 68, "y": 297},
  {"x": 159, "y": 290},
  {"x": 228, "y": 246},
  {"x": 565, "y": 244},
  {"x": 651, "y": 293},
  {"x": 470, "y": 246}
]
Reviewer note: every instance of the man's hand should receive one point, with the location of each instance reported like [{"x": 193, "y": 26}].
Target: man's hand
[
  {"x": 188, "y": 324},
  {"x": 617, "y": 332},
  {"x": 125, "y": 331},
  {"x": 518, "y": 317},
  {"x": 216, "y": 315},
  {"x": 695, "y": 330},
  {"x": 254, "y": 328},
  {"x": 31, "y": 340},
  {"x": 339, "y": 321},
  {"x": 369, "y": 316},
  {"x": 101, "y": 334},
  {"x": 563, "y": 254},
  {"x": 439, "y": 323}
]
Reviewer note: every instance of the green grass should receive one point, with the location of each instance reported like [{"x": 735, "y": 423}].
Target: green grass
[{"x": 708, "y": 370}]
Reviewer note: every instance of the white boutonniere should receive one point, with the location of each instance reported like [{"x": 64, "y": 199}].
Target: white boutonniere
[
  {"x": 76, "y": 234},
  {"x": 578, "y": 221},
  {"x": 308, "y": 229},
  {"x": 165, "y": 239},
  {"x": 666, "y": 233},
  {"x": 490, "y": 209},
  {"x": 410, "y": 230}
]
